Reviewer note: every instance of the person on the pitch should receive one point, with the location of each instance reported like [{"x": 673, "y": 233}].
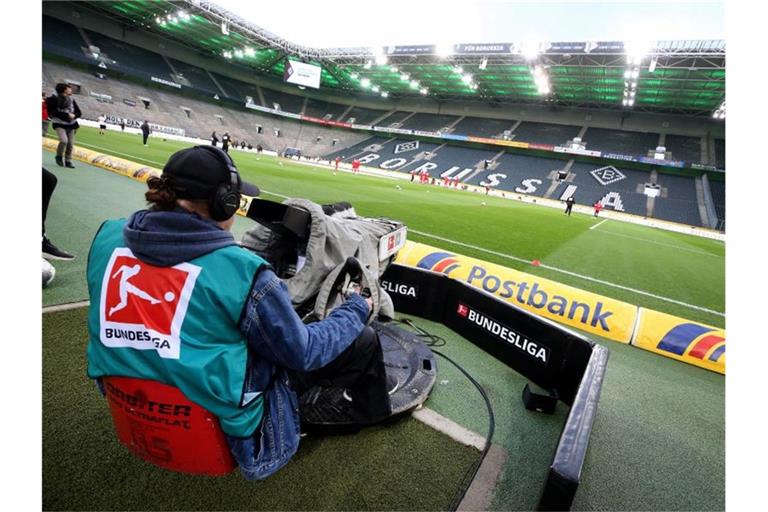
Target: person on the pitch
[
  {"x": 569, "y": 205},
  {"x": 145, "y": 131},
  {"x": 214, "y": 139},
  {"x": 225, "y": 142},
  {"x": 598, "y": 206},
  {"x": 50, "y": 251},
  {"x": 102, "y": 124},
  {"x": 243, "y": 351}
]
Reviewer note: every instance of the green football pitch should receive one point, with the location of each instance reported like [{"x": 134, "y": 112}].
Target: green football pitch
[{"x": 675, "y": 273}]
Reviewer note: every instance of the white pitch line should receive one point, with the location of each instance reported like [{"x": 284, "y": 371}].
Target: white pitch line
[
  {"x": 645, "y": 240},
  {"x": 604, "y": 220},
  {"x": 515, "y": 258},
  {"x": 573, "y": 274}
]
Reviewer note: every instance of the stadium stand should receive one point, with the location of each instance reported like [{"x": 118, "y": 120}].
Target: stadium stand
[
  {"x": 355, "y": 150},
  {"x": 720, "y": 153},
  {"x": 287, "y": 102},
  {"x": 362, "y": 115},
  {"x": 131, "y": 59},
  {"x": 235, "y": 89},
  {"x": 595, "y": 181},
  {"x": 428, "y": 122},
  {"x": 718, "y": 196},
  {"x": 198, "y": 116},
  {"x": 482, "y": 127},
  {"x": 321, "y": 109},
  {"x": 684, "y": 148},
  {"x": 679, "y": 204},
  {"x": 545, "y": 133},
  {"x": 62, "y": 38},
  {"x": 196, "y": 77},
  {"x": 625, "y": 143},
  {"x": 513, "y": 169},
  {"x": 165, "y": 108},
  {"x": 448, "y": 157},
  {"x": 394, "y": 118}
]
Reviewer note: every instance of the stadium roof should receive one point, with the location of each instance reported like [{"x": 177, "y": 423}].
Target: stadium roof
[{"x": 680, "y": 77}]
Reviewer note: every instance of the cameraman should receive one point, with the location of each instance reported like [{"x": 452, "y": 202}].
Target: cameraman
[{"x": 242, "y": 351}]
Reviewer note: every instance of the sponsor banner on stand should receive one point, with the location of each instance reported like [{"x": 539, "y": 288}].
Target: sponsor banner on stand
[
  {"x": 392, "y": 130},
  {"x": 434, "y": 135},
  {"x": 577, "y": 308},
  {"x": 166, "y": 82},
  {"x": 620, "y": 156},
  {"x": 545, "y": 147},
  {"x": 465, "y": 49},
  {"x": 572, "y": 151},
  {"x": 450, "y": 136},
  {"x": 665, "y": 163},
  {"x": 677, "y": 338}
]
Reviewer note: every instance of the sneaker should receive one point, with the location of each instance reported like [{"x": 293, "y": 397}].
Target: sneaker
[
  {"x": 52, "y": 252},
  {"x": 59, "y": 161},
  {"x": 69, "y": 164}
]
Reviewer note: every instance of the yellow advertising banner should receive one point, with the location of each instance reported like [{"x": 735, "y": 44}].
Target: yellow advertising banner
[
  {"x": 691, "y": 342},
  {"x": 123, "y": 167},
  {"x": 583, "y": 310}
]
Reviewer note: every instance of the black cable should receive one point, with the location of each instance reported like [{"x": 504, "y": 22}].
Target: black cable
[{"x": 433, "y": 340}]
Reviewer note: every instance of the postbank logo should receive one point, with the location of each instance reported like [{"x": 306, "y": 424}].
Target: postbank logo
[
  {"x": 442, "y": 262},
  {"x": 694, "y": 340},
  {"x": 143, "y": 306},
  {"x": 577, "y": 308}
]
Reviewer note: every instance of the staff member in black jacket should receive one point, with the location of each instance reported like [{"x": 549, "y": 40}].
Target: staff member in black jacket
[
  {"x": 64, "y": 113},
  {"x": 145, "y": 131}
]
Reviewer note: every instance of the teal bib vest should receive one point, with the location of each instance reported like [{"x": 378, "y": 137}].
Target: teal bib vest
[{"x": 177, "y": 325}]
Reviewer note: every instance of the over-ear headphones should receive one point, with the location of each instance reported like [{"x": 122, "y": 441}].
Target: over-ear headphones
[{"x": 226, "y": 201}]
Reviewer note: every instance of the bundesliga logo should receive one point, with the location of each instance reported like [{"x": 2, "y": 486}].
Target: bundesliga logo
[{"x": 143, "y": 306}]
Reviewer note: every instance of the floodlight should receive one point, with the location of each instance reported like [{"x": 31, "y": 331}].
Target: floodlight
[
  {"x": 636, "y": 73},
  {"x": 404, "y": 77},
  {"x": 381, "y": 59},
  {"x": 384, "y": 94},
  {"x": 652, "y": 65},
  {"x": 529, "y": 50},
  {"x": 353, "y": 75},
  {"x": 158, "y": 20},
  {"x": 239, "y": 54},
  {"x": 444, "y": 49},
  {"x": 631, "y": 102},
  {"x": 375, "y": 88},
  {"x": 365, "y": 82},
  {"x": 484, "y": 63},
  {"x": 624, "y": 102},
  {"x": 632, "y": 94},
  {"x": 368, "y": 65},
  {"x": 250, "y": 52},
  {"x": 466, "y": 78},
  {"x": 627, "y": 73},
  {"x": 225, "y": 28},
  {"x": 414, "y": 84},
  {"x": 393, "y": 69},
  {"x": 458, "y": 69},
  {"x": 424, "y": 90}
]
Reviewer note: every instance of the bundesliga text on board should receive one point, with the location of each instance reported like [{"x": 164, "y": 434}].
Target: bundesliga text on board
[{"x": 504, "y": 333}]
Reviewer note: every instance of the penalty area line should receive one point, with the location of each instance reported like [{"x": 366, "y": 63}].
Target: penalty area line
[
  {"x": 574, "y": 274},
  {"x": 604, "y": 220}
]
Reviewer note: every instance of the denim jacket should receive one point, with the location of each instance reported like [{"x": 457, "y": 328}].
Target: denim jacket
[
  {"x": 280, "y": 340},
  {"x": 277, "y": 338}
]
